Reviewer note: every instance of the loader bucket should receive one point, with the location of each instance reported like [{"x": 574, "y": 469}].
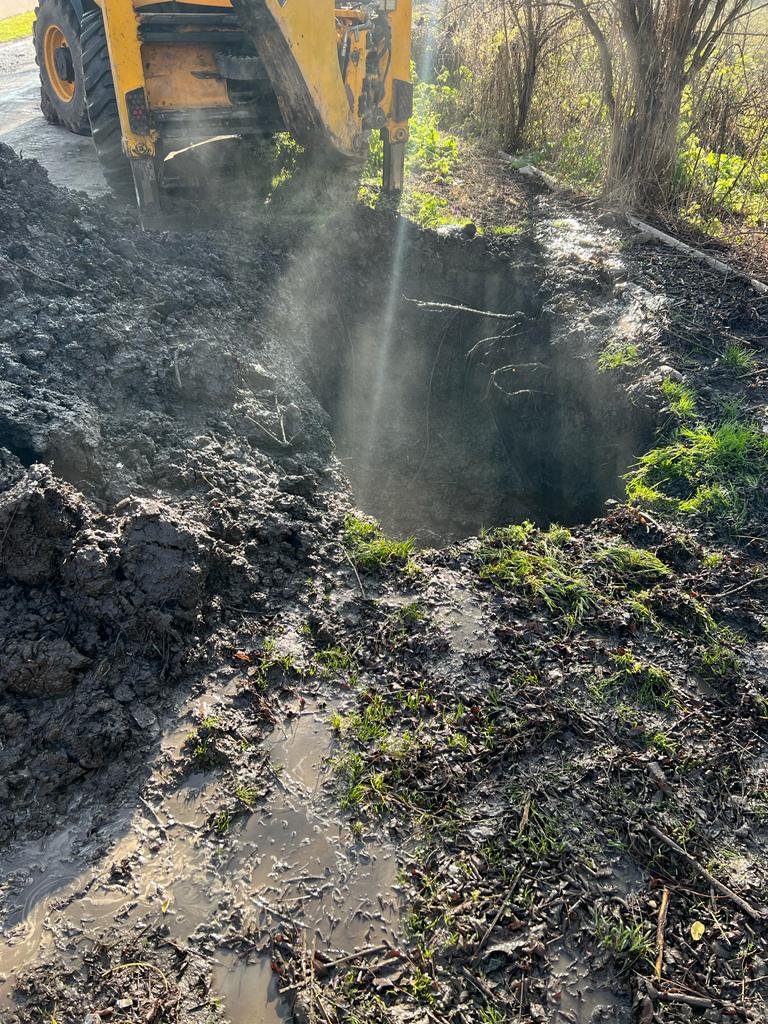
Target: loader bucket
[{"x": 297, "y": 42}]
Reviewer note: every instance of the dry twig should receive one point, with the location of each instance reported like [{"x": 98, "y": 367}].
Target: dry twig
[
  {"x": 660, "y": 926},
  {"x": 756, "y": 913}
]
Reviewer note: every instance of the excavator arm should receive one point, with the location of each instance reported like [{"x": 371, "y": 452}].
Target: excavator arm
[{"x": 339, "y": 73}]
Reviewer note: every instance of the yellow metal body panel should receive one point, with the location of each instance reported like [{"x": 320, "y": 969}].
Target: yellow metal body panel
[
  {"x": 400, "y": 23},
  {"x": 172, "y": 83},
  {"x": 138, "y": 4},
  {"x": 122, "y": 30},
  {"x": 309, "y": 30}
]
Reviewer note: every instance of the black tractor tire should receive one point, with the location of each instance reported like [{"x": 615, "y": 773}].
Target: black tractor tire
[
  {"x": 101, "y": 104},
  {"x": 69, "y": 111}
]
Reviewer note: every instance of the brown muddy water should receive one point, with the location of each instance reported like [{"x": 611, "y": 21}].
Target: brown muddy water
[{"x": 288, "y": 861}]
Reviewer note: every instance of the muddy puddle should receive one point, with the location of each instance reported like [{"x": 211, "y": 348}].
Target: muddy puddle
[
  {"x": 574, "y": 995},
  {"x": 176, "y": 862}
]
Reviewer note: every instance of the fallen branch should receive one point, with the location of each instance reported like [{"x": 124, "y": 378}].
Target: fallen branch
[
  {"x": 48, "y": 280},
  {"x": 696, "y": 254},
  {"x": 756, "y": 913},
  {"x": 354, "y": 570},
  {"x": 328, "y": 964},
  {"x": 660, "y": 926},
  {"x": 480, "y": 985},
  {"x": 661, "y": 236},
  {"x": 743, "y": 586},
  {"x": 535, "y": 172},
  {"x": 701, "y": 1002},
  {"x": 136, "y": 965}
]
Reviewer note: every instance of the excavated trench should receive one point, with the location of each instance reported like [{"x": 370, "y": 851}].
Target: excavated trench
[{"x": 461, "y": 399}]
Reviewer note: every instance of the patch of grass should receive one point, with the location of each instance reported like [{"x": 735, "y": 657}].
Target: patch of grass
[
  {"x": 410, "y": 613},
  {"x": 540, "y": 568},
  {"x": 543, "y": 835},
  {"x": 660, "y": 741},
  {"x": 367, "y": 726},
  {"x": 627, "y": 939},
  {"x": 558, "y": 535},
  {"x": 652, "y": 686},
  {"x": 286, "y": 156},
  {"x": 222, "y": 822},
  {"x": 633, "y": 565},
  {"x": 713, "y": 559},
  {"x": 362, "y": 786},
  {"x": 458, "y": 741},
  {"x": 507, "y": 229},
  {"x": 618, "y": 357},
  {"x": 247, "y": 795},
  {"x": 718, "y": 474},
  {"x": 681, "y": 400},
  {"x": 490, "y": 1015},
  {"x": 401, "y": 623},
  {"x": 514, "y": 535},
  {"x": 738, "y": 358},
  {"x": 202, "y": 744},
  {"x": 416, "y": 699},
  {"x": 18, "y": 26},
  {"x": 334, "y": 660},
  {"x": 370, "y": 549},
  {"x": 269, "y": 659},
  {"x": 718, "y": 661},
  {"x": 422, "y": 986},
  {"x": 427, "y": 209},
  {"x": 640, "y": 613}
]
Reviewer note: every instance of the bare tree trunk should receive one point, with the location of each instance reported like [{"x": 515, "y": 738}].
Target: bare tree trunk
[
  {"x": 531, "y": 40},
  {"x": 643, "y": 157},
  {"x": 664, "y": 43}
]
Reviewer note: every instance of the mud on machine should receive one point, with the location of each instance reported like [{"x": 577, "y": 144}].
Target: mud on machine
[{"x": 146, "y": 78}]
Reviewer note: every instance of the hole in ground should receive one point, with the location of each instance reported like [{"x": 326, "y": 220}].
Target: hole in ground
[
  {"x": 15, "y": 440},
  {"x": 447, "y": 421}
]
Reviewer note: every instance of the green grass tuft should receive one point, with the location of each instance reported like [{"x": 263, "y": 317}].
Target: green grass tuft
[
  {"x": 633, "y": 565},
  {"x": 738, "y": 358},
  {"x": 19, "y": 26},
  {"x": 681, "y": 400},
  {"x": 719, "y": 474},
  {"x": 618, "y": 357},
  {"x": 652, "y": 686},
  {"x": 717, "y": 661},
  {"x": 370, "y": 549},
  {"x": 626, "y": 939},
  {"x": 518, "y": 557}
]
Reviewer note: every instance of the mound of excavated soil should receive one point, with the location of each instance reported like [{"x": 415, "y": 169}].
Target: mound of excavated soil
[{"x": 148, "y": 474}]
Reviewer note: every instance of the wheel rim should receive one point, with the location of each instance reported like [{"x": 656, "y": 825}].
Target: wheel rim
[{"x": 61, "y": 82}]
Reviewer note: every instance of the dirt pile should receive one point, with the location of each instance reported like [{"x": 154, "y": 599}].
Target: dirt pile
[{"x": 183, "y": 459}]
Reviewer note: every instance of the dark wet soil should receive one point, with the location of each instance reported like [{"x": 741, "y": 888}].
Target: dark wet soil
[{"x": 248, "y": 774}]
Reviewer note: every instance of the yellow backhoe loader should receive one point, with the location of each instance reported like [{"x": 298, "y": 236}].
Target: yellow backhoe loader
[{"x": 150, "y": 77}]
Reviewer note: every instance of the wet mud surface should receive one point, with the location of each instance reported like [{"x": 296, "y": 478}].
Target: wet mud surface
[{"x": 254, "y": 767}]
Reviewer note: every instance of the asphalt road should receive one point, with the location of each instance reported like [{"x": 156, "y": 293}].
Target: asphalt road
[{"x": 69, "y": 159}]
